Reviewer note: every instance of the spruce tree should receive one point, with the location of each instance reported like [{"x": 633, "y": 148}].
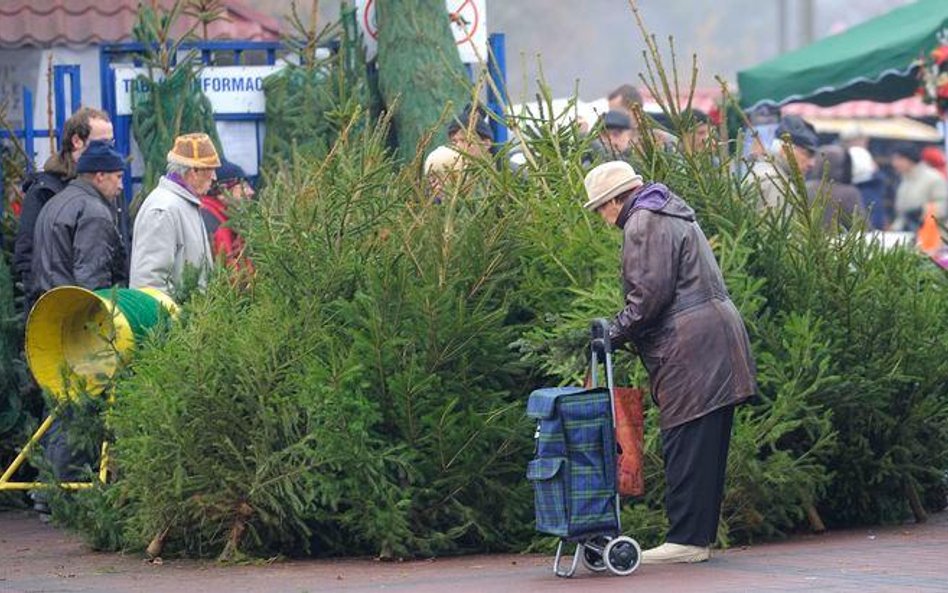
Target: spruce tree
[
  {"x": 420, "y": 71},
  {"x": 175, "y": 104},
  {"x": 11, "y": 403}
]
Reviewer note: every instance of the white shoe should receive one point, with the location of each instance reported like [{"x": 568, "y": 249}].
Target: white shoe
[{"x": 676, "y": 553}]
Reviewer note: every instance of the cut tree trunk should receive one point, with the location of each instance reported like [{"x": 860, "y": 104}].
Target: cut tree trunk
[{"x": 420, "y": 70}]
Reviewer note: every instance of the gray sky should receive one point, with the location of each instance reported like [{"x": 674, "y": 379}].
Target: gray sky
[{"x": 598, "y": 43}]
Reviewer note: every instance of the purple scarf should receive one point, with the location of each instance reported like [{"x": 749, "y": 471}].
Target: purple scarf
[{"x": 651, "y": 196}]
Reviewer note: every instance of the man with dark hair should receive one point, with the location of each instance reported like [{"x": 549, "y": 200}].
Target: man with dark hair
[
  {"x": 616, "y": 138},
  {"x": 695, "y": 130},
  {"x": 470, "y": 132},
  {"x": 77, "y": 238},
  {"x": 85, "y": 126},
  {"x": 920, "y": 186},
  {"x": 625, "y": 98}
]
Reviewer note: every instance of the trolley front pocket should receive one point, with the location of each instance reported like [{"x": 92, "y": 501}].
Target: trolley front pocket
[{"x": 550, "y": 485}]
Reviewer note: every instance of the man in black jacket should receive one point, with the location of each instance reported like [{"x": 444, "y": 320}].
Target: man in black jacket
[
  {"x": 83, "y": 127},
  {"x": 77, "y": 241}
]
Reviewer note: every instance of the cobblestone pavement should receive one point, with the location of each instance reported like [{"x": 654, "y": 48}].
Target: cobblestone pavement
[{"x": 911, "y": 558}]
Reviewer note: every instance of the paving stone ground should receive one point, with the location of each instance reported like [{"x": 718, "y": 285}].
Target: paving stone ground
[{"x": 35, "y": 558}]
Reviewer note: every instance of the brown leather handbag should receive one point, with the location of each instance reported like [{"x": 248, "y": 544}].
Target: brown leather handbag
[{"x": 630, "y": 439}]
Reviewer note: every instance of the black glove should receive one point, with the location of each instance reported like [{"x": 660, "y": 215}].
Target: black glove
[{"x": 616, "y": 339}]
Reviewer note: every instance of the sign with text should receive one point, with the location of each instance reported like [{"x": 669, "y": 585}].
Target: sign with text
[
  {"x": 468, "y": 24},
  {"x": 231, "y": 89}
]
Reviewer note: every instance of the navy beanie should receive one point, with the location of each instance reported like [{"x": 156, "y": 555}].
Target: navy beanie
[
  {"x": 229, "y": 171},
  {"x": 98, "y": 157},
  {"x": 477, "y": 116},
  {"x": 800, "y": 131}
]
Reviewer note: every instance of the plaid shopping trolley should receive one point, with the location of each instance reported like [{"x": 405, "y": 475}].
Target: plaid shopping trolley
[{"x": 574, "y": 470}]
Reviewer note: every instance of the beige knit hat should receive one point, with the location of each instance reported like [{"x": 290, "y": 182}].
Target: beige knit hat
[
  {"x": 607, "y": 181},
  {"x": 195, "y": 151},
  {"x": 443, "y": 159}
]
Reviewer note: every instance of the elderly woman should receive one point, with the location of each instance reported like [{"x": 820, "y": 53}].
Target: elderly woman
[
  {"x": 169, "y": 235},
  {"x": 692, "y": 341}
]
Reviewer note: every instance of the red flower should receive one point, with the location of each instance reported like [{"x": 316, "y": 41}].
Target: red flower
[
  {"x": 940, "y": 54},
  {"x": 943, "y": 91}
]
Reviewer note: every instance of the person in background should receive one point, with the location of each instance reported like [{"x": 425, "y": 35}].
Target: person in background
[
  {"x": 230, "y": 189},
  {"x": 854, "y": 136},
  {"x": 77, "y": 238},
  {"x": 625, "y": 98},
  {"x": 793, "y": 135},
  {"x": 696, "y": 131},
  {"x": 871, "y": 186},
  {"x": 84, "y": 126},
  {"x": 692, "y": 341},
  {"x": 470, "y": 133},
  {"x": 169, "y": 235},
  {"x": 616, "y": 138},
  {"x": 831, "y": 176},
  {"x": 920, "y": 186}
]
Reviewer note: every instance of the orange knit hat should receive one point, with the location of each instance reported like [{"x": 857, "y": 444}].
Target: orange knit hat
[{"x": 195, "y": 151}]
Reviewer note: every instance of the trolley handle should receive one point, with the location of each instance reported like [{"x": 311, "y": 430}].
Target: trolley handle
[
  {"x": 600, "y": 352},
  {"x": 600, "y": 338}
]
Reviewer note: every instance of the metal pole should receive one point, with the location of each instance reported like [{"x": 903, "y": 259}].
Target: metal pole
[
  {"x": 59, "y": 92},
  {"x": 783, "y": 24},
  {"x": 28, "y": 129},
  {"x": 497, "y": 69},
  {"x": 75, "y": 87}
]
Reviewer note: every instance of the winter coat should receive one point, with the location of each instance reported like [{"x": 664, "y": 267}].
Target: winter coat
[
  {"x": 38, "y": 189},
  {"x": 169, "y": 236},
  {"x": 226, "y": 244},
  {"x": 77, "y": 242},
  {"x": 678, "y": 314},
  {"x": 832, "y": 178},
  {"x": 873, "y": 200},
  {"x": 770, "y": 176},
  {"x": 921, "y": 186}
]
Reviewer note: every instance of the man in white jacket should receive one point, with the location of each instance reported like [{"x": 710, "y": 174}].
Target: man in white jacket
[
  {"x": 920, "y": 186},
  {"x": 169, "y": 235}
]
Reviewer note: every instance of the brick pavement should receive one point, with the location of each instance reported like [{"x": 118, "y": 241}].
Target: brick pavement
[{"x": 900, "y": 559}]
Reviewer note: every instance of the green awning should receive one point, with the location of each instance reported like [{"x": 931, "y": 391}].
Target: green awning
[{"x": 871, "y": 61}]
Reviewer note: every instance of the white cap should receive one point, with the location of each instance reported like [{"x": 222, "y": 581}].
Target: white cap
[{"x": 607, "y": 181}]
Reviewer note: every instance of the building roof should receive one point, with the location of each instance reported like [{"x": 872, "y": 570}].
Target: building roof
[{"x": 45, "y": 23}]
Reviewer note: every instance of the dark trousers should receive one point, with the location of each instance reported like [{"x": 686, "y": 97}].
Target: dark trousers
[{"x": 695, "y": 461}]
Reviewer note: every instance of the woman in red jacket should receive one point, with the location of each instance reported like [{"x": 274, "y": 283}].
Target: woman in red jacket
[{"x": 231, "y": 188}]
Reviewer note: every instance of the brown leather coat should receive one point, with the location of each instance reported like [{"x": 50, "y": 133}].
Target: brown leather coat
[{"x": 678, "y": 313}]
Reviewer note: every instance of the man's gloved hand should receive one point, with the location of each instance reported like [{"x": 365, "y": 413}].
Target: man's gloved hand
[{"x": 618, "y": 340}]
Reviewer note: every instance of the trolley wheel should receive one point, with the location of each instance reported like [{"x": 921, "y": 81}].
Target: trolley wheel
[
  {"x": 592, "y": 554},
  {"x": 622, "y": 555}
]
